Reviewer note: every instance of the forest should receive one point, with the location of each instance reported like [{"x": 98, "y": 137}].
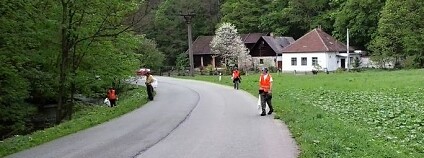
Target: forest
[{"x": 52, "y": 51}]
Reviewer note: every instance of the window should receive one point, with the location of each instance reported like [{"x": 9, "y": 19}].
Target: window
[
  {"x": 314, "y": 61},
  {"x": 293, "y": 61},
  {"x": 304, "y": 61},
  {"x": 261, "y": 61}
]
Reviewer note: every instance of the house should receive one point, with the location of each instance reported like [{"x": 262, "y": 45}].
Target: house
[
  {"x": 263, "y": 48},
  {"x": 202, "y": 54},
  {"x": 267, "y": 50},
  {"x": 316, "y": 50}
]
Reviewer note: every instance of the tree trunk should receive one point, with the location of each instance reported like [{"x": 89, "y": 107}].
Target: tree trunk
[
  {"x": 63, "y": 61},
  {"x": 73, "y": 84}
]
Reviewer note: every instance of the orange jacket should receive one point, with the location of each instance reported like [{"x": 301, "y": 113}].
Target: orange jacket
[
  {"x": 265, "y": 83},
  {"x": 111, "y": 94},
  {"x": 236, "y": 74}
]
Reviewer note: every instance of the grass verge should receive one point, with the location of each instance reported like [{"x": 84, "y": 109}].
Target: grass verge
[
  {"x": 85, "y": 117},
  {"x": 368, "y": 114}
]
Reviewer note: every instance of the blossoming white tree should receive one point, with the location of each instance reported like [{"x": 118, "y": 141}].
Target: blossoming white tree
[{"x": 229, "y": 46}]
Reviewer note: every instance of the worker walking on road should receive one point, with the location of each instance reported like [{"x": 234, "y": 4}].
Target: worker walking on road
[
  {"x": 149, "y": 81},
  {"x": 265, "y": 90},
  {"x": 111, "y": 95},
  {"x": 236, "y": 78}
]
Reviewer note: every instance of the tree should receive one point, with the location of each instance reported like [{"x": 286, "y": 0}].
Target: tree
[
  {"x": 245, "y": 15},
  {"x": 273, "y": 19},
  {"x": 356, "y": 64},
  {"x": 400, "y": 32},
  {"x": 361, "y": 17},
  {"x": 80, "y": 29},
  {"x": 228, "y": 45},
  {"x": 182, "y": 61},
  {"x": 149, "y": 55},
  {"x": 245, "y": 61}
]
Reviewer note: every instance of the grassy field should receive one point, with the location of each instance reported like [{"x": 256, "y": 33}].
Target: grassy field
[
  {"x": 85, "y": 117},
  {"x": 368, "y": 114}
]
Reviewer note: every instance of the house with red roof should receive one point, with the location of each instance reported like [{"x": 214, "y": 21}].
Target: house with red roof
[{"x": 316, "y": 49}]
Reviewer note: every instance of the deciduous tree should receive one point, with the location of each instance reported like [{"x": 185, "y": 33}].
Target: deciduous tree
[{"x": 228, "y": 45}]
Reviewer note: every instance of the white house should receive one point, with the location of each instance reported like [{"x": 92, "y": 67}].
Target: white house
[{"x": 316, "y": 49}]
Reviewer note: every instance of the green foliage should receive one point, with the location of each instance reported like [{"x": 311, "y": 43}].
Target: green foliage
[
  {"x": 245, "y": 15},
  {"x": 13, "y": 91},
  {"x": 149, "y": 55},
  {"x": 182, "y": 61},
  {"x": 356, "y": 64},
  {"x": 101, "y": 50},
  {"x": 400, "y": 29},
  {"x": 361, "y": 17},
  {"x": 273, "y": 20}
]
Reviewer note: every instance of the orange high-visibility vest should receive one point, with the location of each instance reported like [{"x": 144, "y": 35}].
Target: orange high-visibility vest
[
  {"x": 111, "y": 94},
  {"x": 265, "y": 83},
  {"x": 236, "y": 74}
]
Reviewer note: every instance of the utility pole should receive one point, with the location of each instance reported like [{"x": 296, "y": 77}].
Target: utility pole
[
  {"x": 347, "y": 49},
  {"x": 188, "y": 18}
]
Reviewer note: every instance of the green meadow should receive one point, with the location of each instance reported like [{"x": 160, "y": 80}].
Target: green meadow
[{"x": 366, "y": 114}]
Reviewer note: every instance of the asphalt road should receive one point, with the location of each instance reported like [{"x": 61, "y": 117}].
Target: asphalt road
[{"x": 187, "y": 119}]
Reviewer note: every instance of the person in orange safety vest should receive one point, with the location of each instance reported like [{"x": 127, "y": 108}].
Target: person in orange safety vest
[
  {"x": 265, "y": 89},
  {"x": 236, "y": 78},
  {"x": 111, "y": 95}
]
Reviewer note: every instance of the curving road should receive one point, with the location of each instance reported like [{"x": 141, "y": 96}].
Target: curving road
[{"x": 187, "y": 119}]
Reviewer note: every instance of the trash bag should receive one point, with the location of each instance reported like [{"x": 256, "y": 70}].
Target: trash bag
[
  {"x": 260, "y": 106},
  {"x": 155, "y": 83},
  {"x": 107, "y": 102}
]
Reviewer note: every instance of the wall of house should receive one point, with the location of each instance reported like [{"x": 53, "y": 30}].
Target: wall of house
[
  {"x": 267, "y": 61},
  {"x": 325, "y": 60},
  {"x": 332, "y": 61},
  {"x": 207, "y": 60},
  {"x": 260, "y": 50}
]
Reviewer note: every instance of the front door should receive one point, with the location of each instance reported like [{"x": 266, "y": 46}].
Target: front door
[
  {"x": 280, "y": 64},
  {"x": 343, "y": 63}
]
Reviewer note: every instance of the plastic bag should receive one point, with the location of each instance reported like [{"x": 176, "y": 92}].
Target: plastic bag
[
  {"x": 107, "y": 102},
  {"x": 260, "y": 106},
  {"x": 155, "y": 83}
]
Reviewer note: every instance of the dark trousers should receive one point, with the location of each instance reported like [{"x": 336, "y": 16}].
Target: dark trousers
[
  {"x": 266, "y": 99},
  {"x": 149, "y": 91},
  {"x": 112, "y": 102},
  {"x": 236, "y": 82}
]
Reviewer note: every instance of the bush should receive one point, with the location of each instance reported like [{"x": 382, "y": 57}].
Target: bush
[
  {"x": 272, "y": 69},
  {"x": 340, "y": 70}
]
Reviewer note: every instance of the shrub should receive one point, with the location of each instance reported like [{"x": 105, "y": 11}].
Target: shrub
[{"x": 340, "y": 70}]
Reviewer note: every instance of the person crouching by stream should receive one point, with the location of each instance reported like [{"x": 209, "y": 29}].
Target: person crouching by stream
[
  {"x": 111, "y": 95},
  {"x": 149, "y": 81}
]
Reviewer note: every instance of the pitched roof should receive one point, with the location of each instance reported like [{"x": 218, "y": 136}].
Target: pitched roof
[
  {"x": 278, "y": 43},
  {"x": 201, "y": 45},
  {"x": 251, "y": 37},
  {"x": 316, "y": 41}
]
